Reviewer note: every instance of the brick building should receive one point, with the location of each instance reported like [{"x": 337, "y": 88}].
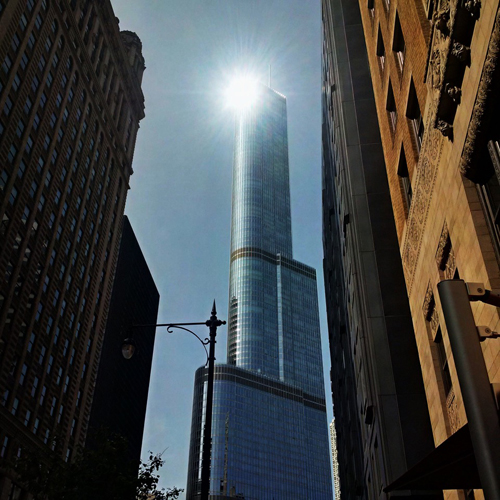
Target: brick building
[
  {"x": 71, "y": 102},
  {"x": 381, "y": 417},
  {"x": 433, "y": 67}
]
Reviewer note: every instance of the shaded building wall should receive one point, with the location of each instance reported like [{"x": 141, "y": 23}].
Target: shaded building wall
[
  {"x": 71, "y": 104},
  {"x": 122, "y": 385},
  {"x": 381, "y": 414}
]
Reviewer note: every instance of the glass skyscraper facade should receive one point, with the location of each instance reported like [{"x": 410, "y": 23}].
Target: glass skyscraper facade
[{"x": 269, "y": 429}]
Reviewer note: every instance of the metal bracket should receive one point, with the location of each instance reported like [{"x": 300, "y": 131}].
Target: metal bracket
[
  {"x": 477, "y": 292},
  {"x": 485, "y": 332}
]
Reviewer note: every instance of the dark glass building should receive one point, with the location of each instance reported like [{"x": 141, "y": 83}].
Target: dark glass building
[
  {"x": 269, "y": 435},
  {"x": 122, "y": 385},
  {"x": 71, "y": 102}
]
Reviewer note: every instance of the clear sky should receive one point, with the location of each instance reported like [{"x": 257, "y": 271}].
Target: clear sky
[{"x": 180, "y": 198}]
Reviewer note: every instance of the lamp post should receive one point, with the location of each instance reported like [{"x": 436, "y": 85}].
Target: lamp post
[{"x": 128, "y": 349}]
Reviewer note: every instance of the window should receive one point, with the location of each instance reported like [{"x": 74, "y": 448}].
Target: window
[
  {"x": 34, "y": 189},
  {"x": 26, "y": 215},
  {"x": 15, "y": 406},
  {"x": 49, "y": 364},
  {"x": 391, "y": 108},
  {"x": 28, "y": 105},
  {"x": 415, "y": 117},
  {"x": 380, "y": 50},
  {"x": 489, "y": 193},
  {"x": 35, "y": 84},
  {"x": 4, "y": 178},
  {"x": 22, "y": 169},
  {"x": 15, "y": 42},
  {"x": 7, "y": 106},
  {"x": 24, "y": 61},
  {"x": 16, "y": 82},
  {"x": 20, "y": 128},
  {"x": 443, "y": 362},
  {"x": 31, "y": 342},
  {"x": 43, "y": 392},
  {"x": 398, "y": 45},
  {"x": 22, "y": 376},
  {"x": 29, "y": 145},
  {"x": 31, "y": 41},
  {"x": 13, "y": 195},
  {"x": 5, "y": 444},
  {"x": 7, "y": 64},
  {"x": 38, "y": 21},
  {"x": 12, "y": 153},
  {"x": 53, "y": 406}
]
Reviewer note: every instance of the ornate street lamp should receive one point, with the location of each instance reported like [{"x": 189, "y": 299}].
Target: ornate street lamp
[{"x": 128, "y": 350}]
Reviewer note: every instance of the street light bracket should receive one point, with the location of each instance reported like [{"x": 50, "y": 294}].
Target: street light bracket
[{"x": 204, "y": 343}]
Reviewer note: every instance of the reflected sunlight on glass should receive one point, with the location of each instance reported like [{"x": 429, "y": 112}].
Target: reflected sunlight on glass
[{"x": 242, "y": 93}]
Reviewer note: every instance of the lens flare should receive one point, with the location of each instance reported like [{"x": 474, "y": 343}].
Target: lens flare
[{"x": 242, "y": 93}]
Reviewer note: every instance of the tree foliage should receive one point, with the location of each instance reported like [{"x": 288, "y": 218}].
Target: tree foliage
[{"x": 103, "y": 472}]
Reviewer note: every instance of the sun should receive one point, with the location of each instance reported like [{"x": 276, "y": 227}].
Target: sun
[{"x": 242, "y": 92}]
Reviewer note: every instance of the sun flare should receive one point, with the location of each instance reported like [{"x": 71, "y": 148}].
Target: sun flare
[{"x": 242, "y": 93}]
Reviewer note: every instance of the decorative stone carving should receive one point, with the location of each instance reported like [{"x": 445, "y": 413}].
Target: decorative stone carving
[
  {"x": 444, "y": 127},
  {"x": 422, "y": 195},
  {"x": 461, "y": 52},
  {"x": 452, "y": 410},
  {"x": 429, "y": 310},
  {"x": 454, "y": 92},
  {"x": 473, "y": 7},
  {"x": 481, "y": 114},
  {"x": 436, "y": 69},
  {"x": 441, "y": 20}
]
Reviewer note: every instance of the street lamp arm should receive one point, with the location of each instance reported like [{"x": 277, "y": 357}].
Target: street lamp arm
[
  {"x": 180, "y": 326},
  {"x": 204, "y": 343}
]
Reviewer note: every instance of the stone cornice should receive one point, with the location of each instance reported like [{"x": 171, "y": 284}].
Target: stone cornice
[
  {"x": 449, "y": 54},
  {"x": 483, "y": 110}
]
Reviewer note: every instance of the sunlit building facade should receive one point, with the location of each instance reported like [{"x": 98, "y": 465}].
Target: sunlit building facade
[
  {"x": 269, "y": 435},
  {"x": 412, "y": 175}
]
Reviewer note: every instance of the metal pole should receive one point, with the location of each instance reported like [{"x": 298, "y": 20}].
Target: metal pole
[
  {"x": 212, "y": 323},
  {"x": 479, "y": 402}
]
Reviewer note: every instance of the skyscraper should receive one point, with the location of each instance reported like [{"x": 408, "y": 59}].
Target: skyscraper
[
  {"x": 269, "y": 434},
  {"x": 71, "y": 101},
  {"x": 411, "y": 145},
  {"x": 122, "y": 385}
]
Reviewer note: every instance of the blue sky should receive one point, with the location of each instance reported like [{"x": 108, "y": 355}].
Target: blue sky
[{"x": 180, "y": 197}]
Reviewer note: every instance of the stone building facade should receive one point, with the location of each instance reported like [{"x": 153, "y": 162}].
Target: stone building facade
[
  {"x": 71, "y": 101},
  {"x": 450, "y": 143},
  {"x": 434, "y": 72},
  {"x": 381, "y": 417}
]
